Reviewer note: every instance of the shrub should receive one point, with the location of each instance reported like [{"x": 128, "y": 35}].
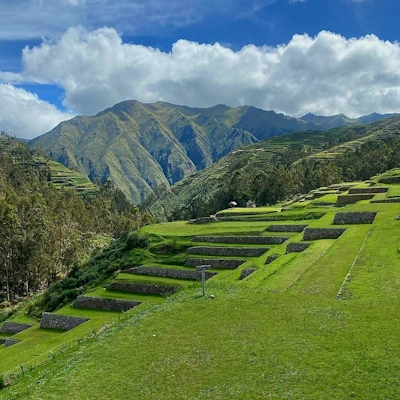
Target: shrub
[
  {"x": 2, "y": 382},
  {"x": 134, "y": 240}
]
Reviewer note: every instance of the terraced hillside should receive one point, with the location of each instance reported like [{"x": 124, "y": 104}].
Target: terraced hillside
[
  {"x": 304, "y": 305},
  {"x": 281, "y": 161}
]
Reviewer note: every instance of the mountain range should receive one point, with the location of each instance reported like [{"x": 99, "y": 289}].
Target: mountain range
[{"x": 143, "y": 146}]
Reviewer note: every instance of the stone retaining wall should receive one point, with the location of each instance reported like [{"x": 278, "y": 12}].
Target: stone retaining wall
[
  {"x": 2, "y": 341},
  {"x": 343, "y": 218},
  {"x": 271, "y": 258},
  {"x": 62, "y": 322},
  {"x": 13, "y": 327},
  {"x": 228, "y": 251},
  {"x": 353, "y": 198},
  {"x": 10, "y": 342},
  {"x": 246, "y": 272},
  {"x": 170, "y": 273},
  {"x": 215, "y": 263},
  {"x": 323, "y": 233},
  {"x": 143, "y": 288},
  {"x": 390, "y": 179},
  {"x": 286, "y": 228},
  {"x": 296, "y": 247},
  {"x": 98, "y": 303},
  {"x": 394, "y": 200},
  {"x": 370, "y": 190},
  {"x": 242, "y": 239}
]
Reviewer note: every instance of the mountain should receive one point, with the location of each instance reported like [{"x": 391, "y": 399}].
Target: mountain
[
  {"x": 206, "y": 191},
  {"x": 144, "y": 146},
  {"x": 329, "y": 122}
]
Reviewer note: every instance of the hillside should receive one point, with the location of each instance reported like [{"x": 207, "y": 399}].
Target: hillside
[
  {"x": 144, "y": 146},
  {"x": 283, "y": 166},
  {"x": 304, "y": 305}
]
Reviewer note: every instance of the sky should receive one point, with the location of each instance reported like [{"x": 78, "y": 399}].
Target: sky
[{"x": 61, "y": 58}]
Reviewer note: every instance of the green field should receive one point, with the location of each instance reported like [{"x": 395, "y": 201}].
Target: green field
[{"x": 318, "y": 324}]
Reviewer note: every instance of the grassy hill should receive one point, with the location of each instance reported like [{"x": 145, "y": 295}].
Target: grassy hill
[
  {"x": 202, "y": 193},
  {"x": 314, "y": 316},
  {"x": 144, "y": 146}
]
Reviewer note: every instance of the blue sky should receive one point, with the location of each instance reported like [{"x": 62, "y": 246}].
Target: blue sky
[{"x": 68, "y": 57}]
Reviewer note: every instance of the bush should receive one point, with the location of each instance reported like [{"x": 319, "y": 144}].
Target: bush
[
  {"x": 2, "y": 382},
  {"x": 134, "y": 240}
]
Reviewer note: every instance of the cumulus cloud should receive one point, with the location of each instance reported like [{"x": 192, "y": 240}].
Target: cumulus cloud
[
  {"x": 326, "y": 74},
  {"x": 25, "y": 115}
]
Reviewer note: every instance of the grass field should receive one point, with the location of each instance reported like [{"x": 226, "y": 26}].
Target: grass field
[{"x": 320, "y": 324}]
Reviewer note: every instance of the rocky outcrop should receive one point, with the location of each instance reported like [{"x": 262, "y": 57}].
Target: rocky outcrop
[{"x": 62, "y": 322}]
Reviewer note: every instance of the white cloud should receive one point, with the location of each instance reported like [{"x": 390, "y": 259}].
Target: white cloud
[
  {"x": 23, "y": 19},
  {"x": 326, "y": 74},
  {"x": 25, "y": 115}
]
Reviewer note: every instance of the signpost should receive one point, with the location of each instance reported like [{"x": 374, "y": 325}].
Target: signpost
[{"x": 203, "y": 269}]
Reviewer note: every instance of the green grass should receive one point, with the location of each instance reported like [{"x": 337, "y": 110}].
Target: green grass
[{"x": 281, "y": 333}]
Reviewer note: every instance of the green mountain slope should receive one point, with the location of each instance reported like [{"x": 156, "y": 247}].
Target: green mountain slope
[
  {"x": 268, "y": 164},
  {"x": 143, "y": 146}
]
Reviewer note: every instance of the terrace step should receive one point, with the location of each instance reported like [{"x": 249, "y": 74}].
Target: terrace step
[
  {"x": 286, "y": 228},
  {"x": 246, "y": 272},
  {"x": 215, "y": 263},
  {"x": 322, "y": 233},
  {"x": 62, "y": 322},
  {"x": 143, "y": 288},
  {"x": 173, "y": 273},
  {"x": 98, "y": 303},
  {"x": 360, "y": 217},
  {"x": 271, "y": 258},
  {"x": 14, "y": 327},
  {"x": 353, "y": 198},
  {"x": 228, "y": 251},
  {"x": 296, "y": 247},
  {"x": 242, "y": 239},
  {"x": 10, "y": 342},
  {"x": 370, "y": 190}
]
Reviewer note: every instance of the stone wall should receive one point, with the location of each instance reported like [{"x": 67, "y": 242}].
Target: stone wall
[
  {"x": 394, "y": 200},
  {"x": 2, "y": 341},
  {"x": 98, "y": 303},
  {"x": 62, "y": 322},
  {"x": 170, "y": 273},
  {"x": 353, "y": 198},
  {"x": 286, "y": 228},
  {"x": 271, "y": 258},
  {"x": 343, "y": 218},
  {"x": 242, "y": 239},
  {"x": 370, "y": 190},
  {"x": 246, "y": 272},
  {"x": 10, "y": 342},
  {"x": 215, "y": 263},
  {"x": 390, "y": 179},
  {"x": 228, "y": 251},
  {"x": 13, "y": 327},
  {"x": 143, "y": 288},
  {"x": 322, "y": 233},
  {"x": 296, "y": 247}
]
